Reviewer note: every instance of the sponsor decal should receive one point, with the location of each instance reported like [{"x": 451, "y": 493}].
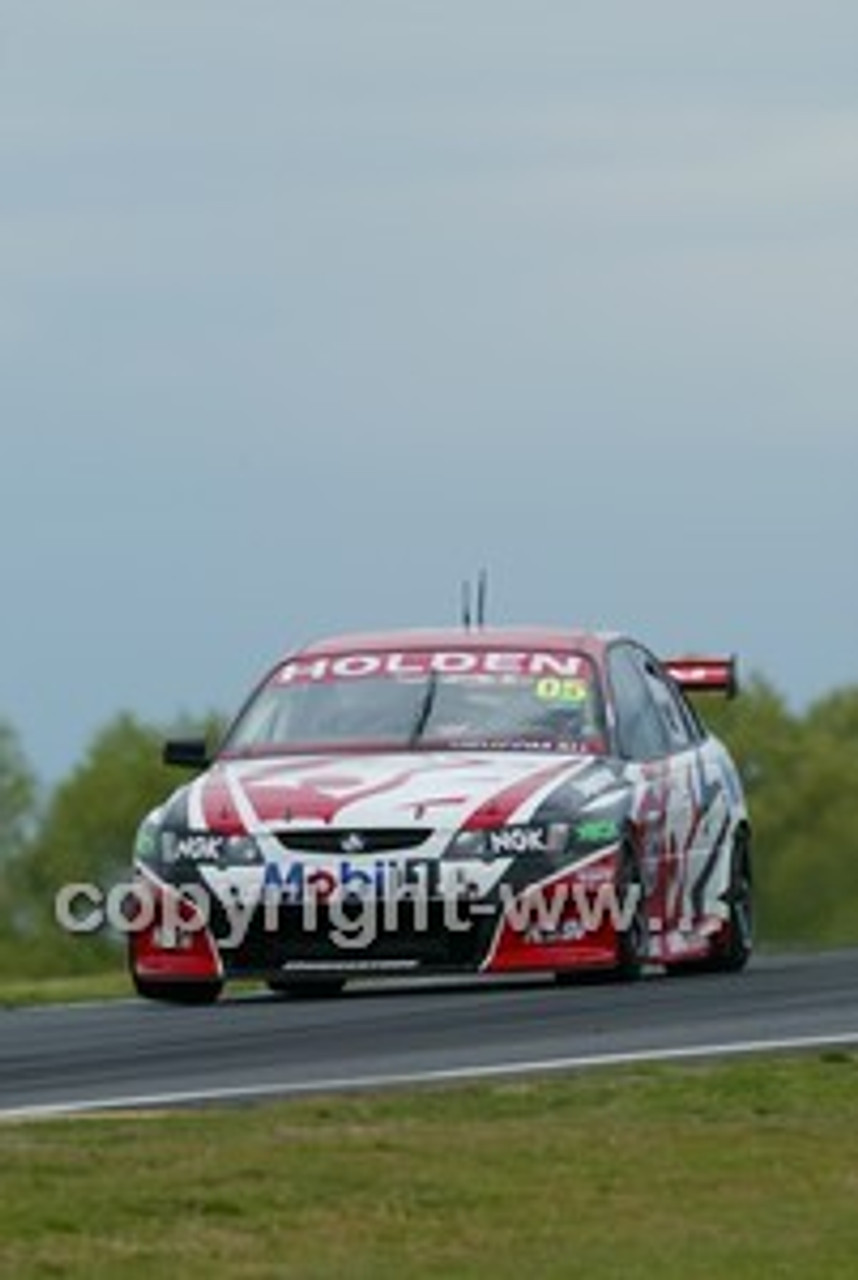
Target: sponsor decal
[
  {"x": 389, "y": 878},
  {"x": 518, "y": 840},
  {"x": 206, "y": 849},
  {"x": 569, "y": 930},
  {"x": 201, "y": 847},
  {"x": 560, "y": 667},
  {"x": 569, "y": 912},
  {"x": 567, "y": 692},
  {"x": 597, "y": 831}
]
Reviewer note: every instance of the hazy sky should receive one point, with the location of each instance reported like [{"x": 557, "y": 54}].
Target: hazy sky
[{"x": 308, "y": 309}]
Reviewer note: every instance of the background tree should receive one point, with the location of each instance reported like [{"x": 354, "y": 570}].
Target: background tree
[
  {"x": 18, "y": 794},
  {"x": 801, "y": 778},
  {"x": 86, "y": 834},
  {"x": 18, "y": 813},
  {"x": 816, "y": 887}
]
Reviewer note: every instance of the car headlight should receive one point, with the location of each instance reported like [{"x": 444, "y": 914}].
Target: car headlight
[
  {"x": 146, "y": 840},
  {"x": 505, "y": 842}
]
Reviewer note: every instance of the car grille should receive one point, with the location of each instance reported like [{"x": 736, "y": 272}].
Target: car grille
[{"x": 352, "y": 842}]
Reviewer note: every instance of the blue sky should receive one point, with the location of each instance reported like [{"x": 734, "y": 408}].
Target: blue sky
[{"x": 307, "y": 310}]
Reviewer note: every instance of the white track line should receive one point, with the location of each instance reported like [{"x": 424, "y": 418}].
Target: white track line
[{"x": 250, "y": 1093}]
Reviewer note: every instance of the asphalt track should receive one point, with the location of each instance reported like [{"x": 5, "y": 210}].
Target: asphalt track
[{"x": 55, "y": 1060}]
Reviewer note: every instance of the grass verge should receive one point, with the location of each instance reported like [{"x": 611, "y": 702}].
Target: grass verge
[
  {"x": 88, "y": 986},
  {"x": 743, "y": 1170}
]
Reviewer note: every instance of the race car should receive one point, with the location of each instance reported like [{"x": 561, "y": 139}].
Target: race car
[{"x": 489, "y": 800}]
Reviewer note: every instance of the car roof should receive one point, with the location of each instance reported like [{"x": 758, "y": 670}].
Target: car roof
[{"x": 554, "y": 639}]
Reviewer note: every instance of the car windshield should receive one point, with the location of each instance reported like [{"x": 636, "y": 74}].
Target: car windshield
[{"x": 475, "y": 700}]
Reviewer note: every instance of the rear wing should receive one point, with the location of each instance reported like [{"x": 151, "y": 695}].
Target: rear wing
[{"x": 705, "y": 675}]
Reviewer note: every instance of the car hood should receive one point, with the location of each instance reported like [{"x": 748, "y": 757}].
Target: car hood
[{"x": 442, "y": 791}]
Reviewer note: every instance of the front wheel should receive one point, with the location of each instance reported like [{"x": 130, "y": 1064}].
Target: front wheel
[
  {"x": 631, "y": 931},
  {"x": 185, "y": 993}
]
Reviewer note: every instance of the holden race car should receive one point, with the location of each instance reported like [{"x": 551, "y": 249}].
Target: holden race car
[{"x": 495, "y": 801}]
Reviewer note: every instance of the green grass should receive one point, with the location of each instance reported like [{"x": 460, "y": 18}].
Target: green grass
[
  {"x": 114, "y": 984},
  {"x": 85, "y": 986},
  {"x": 744, "y": 1170}
]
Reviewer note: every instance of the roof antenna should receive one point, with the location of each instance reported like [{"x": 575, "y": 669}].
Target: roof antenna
[
  {"x": 466, "y": 605},
  {"x": 482, "y": 592}
]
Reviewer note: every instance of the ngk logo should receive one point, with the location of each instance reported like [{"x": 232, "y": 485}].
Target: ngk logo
[{"x": 518, "y": 840}]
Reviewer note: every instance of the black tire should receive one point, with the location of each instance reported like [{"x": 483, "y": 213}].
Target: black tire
[
  {"x": 177, "y": 992},
  {"x": 309, "y": 989},
  {"x": 736, "y": 946},
  {"x": 733, "y": 948},
  {"x": 631, "y": 942}
]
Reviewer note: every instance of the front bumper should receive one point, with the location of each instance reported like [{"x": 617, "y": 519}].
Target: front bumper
[{"x": 275, "y": 938}]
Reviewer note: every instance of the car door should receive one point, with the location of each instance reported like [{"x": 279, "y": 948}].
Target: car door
[
  {"x": 706, "y": 776},
  {"x": 694, "y": 814},
  {"x": 659, "y": 746}
]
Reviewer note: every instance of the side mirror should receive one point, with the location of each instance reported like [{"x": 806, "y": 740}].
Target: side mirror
[{"x": 189, "y": 753}]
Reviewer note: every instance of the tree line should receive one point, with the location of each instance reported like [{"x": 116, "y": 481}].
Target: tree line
[{"x": 800, "y": 772}]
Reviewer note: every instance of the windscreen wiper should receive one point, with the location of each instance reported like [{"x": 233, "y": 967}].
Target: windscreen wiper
[{"x": 424, "y": 711}]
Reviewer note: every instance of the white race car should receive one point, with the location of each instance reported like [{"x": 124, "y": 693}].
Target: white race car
[{"x": 493, "y": 800}]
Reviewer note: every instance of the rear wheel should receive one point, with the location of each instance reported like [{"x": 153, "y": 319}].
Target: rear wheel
[
  {"x": 177, "y": 992},
  {"x": 732, "y": 948}
]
